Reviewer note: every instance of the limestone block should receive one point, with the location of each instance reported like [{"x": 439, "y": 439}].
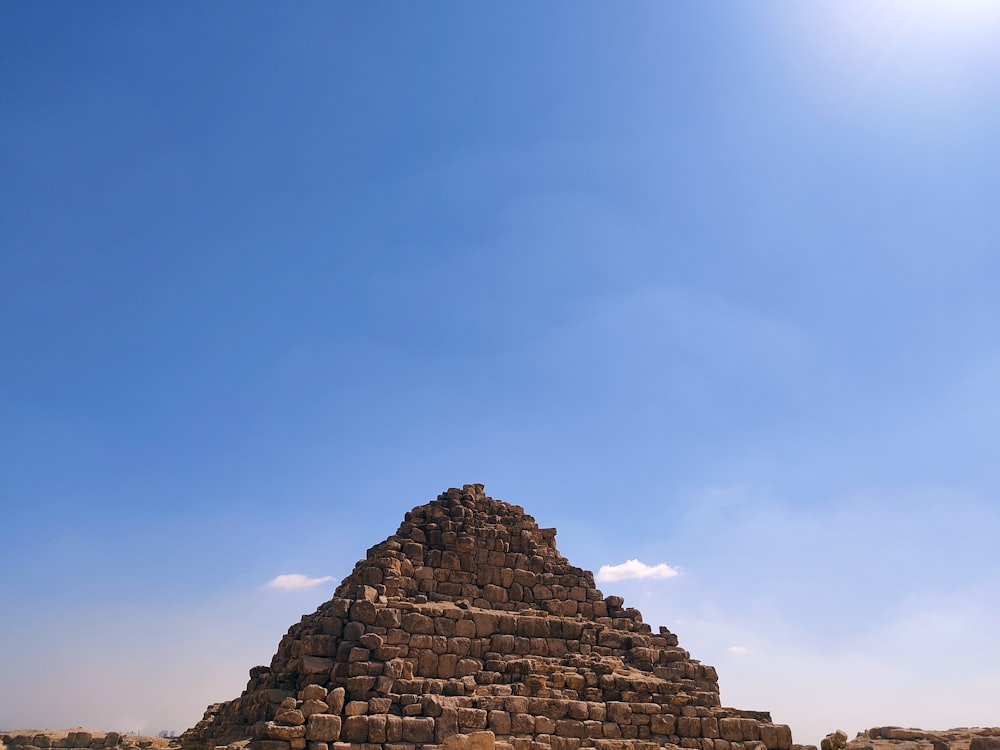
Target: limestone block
[
  {"x": 569, "y": 728},
  {"x": 482, "y": 741},
  {"x": 312, "y": 706},
  {"x": 355, "y": 729},
  {"x": 393, "y": 728},
  {"x": 769, "y": 736},
  {"x": 356, "y": 708},
  {"x": 323, "y": 727},
  {"x": 377, "y": 729},
  {"x": 313, "y": 692},
  {"x": 335, "y": 699},
  {"x": 414, "y": 622},
  {"x": 521, "y": 723},
  {"x": 499, "y": 722},
  {"x": 466, "y": 667},
  {"x": 446, "y": 724},
  {"x": 731, "y": 729},
  {"x": 471, "y": 718},
  {"x": 363, "y": 611},
  {"x": 577, "y": 710},
  {"x": 544, "y": 725},
  {"x": 290, "y": 716},
  {"x": 270, "y": 745},
  {"x": 710, "y": 728},
  {"x": 688, "y": 726},
  {"x": 486, "y": 623},
  {"x": 619, "y": 712},
  {"x": 418, "y": 729},
  {"x": 276, "y": 731}
]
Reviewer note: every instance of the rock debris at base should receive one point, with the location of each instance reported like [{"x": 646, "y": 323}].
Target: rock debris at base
[{"x": 81, "y": 739}]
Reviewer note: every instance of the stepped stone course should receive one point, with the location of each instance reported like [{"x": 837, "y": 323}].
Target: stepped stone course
[{"x": 467, "y": 630}]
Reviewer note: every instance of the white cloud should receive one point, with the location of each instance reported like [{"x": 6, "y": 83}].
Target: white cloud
[
  {"x": 296, "y": 581},
  {"x": 635, "y": 569},
  {"x": 737, "y": 649}
]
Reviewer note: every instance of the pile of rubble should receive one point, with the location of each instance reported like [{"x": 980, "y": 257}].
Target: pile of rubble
[{"x": 468, "y": 630}]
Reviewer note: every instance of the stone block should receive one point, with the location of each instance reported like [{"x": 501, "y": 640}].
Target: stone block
[
  {"x": 393, "y": 728},
  {"x": 751, "y": 729},
  {"x": 418, "y": 729},
  {"x": 544, "y": 725},
  {"x": 769, "y": 736},
  {"x": 521, "y": 723},
  {"x": 499, "y": 722},
  {"x": 731, "y": 729},
  {"x": 472, "y": 718},
  {"x": 355, "y": 729},
  {"x": 688, "y": 726},
  {"x": 323, "y": 727},
  {"x": 312, "y": 706},
  {"x": 313, "y": 692},
  {"x": 377, "y": 729},
  {"x": 269, "y": 745},
  {"x": 710, "y": 727},
  {"x": 414, "y": 622},
  {"x": 486, "y": 623},
  {"x": 290, "y": 716},
  {"x": 619, "y": 712},
  {"x": 276, "y": 731},
  {"x": 569, "y": 728},
  {"x": 335, "y": 699},
  {"x": 485, "y": 740}
]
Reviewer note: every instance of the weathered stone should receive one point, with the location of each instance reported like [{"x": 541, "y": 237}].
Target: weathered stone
[
  {"x": 311, "y": 706},
  {"x": 315, "y": 665},
  {"x": 355, "y": 729},
  {"x": 313, "y": 692},
  {"x": 291, "y": 716},
  {"x": 468, "y": 626},
  {"x": 418, "y": 729},
  {"x": 276, "y": 731},
  {"x": 323, "y": 727}
]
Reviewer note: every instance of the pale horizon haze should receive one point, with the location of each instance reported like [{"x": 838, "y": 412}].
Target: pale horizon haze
[{"x": 710, "y": 287}]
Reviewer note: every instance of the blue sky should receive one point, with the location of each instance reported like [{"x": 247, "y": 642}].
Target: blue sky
[{"x": 709, "y": 285}]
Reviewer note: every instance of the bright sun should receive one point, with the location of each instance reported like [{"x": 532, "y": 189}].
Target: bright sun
[
  {"x": 945, "y": 17},
  {"x": 919, "y": 43}
]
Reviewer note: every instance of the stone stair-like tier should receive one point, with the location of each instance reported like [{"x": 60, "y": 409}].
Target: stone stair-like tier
[{"x": 467, "y": 630}]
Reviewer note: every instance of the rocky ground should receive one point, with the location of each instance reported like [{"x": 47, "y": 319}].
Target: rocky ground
[
  {"x": 80, "y": 739},
  {"x": 899, "y": 738},
  {"x": 876, "y": 738}
]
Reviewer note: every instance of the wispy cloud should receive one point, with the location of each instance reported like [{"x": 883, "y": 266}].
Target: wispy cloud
[
  {"x": 635, "y": 569},
  {"x": 296, "y": 581},
  {"x": 737, "y": 649}
]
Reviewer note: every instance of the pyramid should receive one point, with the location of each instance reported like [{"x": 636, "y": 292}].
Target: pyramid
[{"x": 467, "y": 630}]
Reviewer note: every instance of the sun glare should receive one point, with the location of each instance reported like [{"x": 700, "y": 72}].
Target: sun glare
[
  {"x": 925, "y": 45},
  {"x": 931, "y": 19}
]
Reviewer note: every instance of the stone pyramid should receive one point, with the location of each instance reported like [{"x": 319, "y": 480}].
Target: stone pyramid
[{"x": 467, "y": 630}]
